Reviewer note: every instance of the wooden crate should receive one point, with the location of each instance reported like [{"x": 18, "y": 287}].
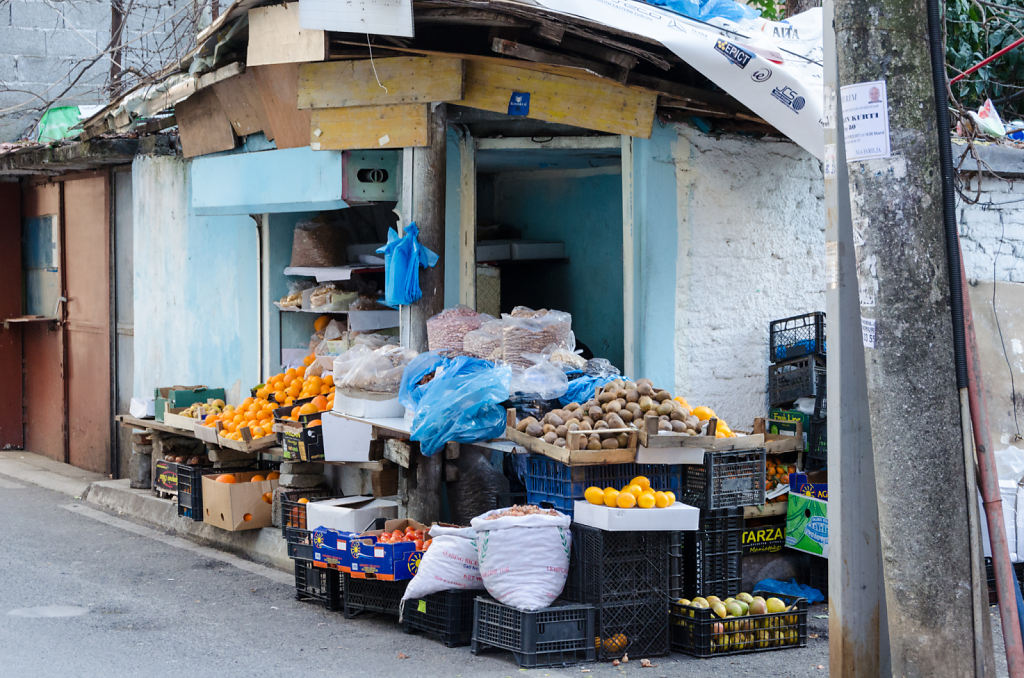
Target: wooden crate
[
  {"x": 172, "y": 417},
  {"x": 651, "y": 438},
  {"x": 574, "y": 454}
]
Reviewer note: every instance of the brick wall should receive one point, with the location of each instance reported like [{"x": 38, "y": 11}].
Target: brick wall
[{"x": 992, "y": 229}]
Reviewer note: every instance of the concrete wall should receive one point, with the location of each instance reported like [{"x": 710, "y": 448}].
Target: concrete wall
[
  {"x": 992, "y": 229},
  {"x": 196, "y": 287},
  {"x": 45, "y": 45}
]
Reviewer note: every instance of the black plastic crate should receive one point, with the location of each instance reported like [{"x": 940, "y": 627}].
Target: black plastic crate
[
  {"x": 711, "y": 558},
  {"x": 815, "y": 574},
  {"x": 372, "y": 595},
  {"x": 446, "y": 616},
  {"x": 794, "y": 379},
  {"x": 300, "y": 543},
  {"x": 550, "y": 482},
  {"x": 318, "y": 584},
  {"x": 817, "y": 444},
  {"x": 821, "y": 389},
  {"x": 796, "y": 337},
  {"x": 293, "y": 512},
  {"x": 639, "y": 628},
  {"x": 990, "y": 573},
  {"x": 726, "y": 479},
  {"x": 560, "y": 635},
  {"x": 700, "y": 633},
  {"x": 617, "y": 567},
  {"x": 190, "y": 489}
]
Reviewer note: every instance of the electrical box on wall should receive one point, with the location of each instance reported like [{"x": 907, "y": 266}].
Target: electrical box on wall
[{"x": 371, "y": 176}]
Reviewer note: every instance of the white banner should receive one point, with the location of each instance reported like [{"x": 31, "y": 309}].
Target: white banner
[{"x": 774, "y": 68}]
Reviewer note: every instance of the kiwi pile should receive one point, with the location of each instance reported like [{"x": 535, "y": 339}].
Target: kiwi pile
[{"x": 615, "y": 406}]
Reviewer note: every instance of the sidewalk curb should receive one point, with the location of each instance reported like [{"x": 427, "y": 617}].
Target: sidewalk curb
[{"x": 264, "y": 545}]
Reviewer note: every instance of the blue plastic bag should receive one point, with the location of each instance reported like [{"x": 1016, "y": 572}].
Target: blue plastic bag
[
  {"x": 403, "y": 257},
  {"x": 409, "y": 392},
  {"x": 790, "y": 588},
  {"x": 462, "y": 403},
  {"x": 583, "y": 388}
]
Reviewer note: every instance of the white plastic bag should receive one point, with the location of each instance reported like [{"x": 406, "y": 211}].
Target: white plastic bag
[
  {"x": 542, "y": 379},
  {"x": 524, "y": 560},
  {"x": 450, "y": 564}
]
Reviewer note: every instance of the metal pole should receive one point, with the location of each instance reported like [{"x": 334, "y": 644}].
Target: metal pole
[
  {"x": 858, "y": 634},
  {"x": 902, "y": 270}
]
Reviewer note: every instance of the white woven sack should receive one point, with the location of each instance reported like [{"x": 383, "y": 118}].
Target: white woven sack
[
  {"x": 449, "y": 564},
  {"x": 524, "y": 561}
]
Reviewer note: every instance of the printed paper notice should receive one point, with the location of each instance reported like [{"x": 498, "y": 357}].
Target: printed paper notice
[
  {"x": 866, "y": 120},
  {"x": 867, "y": 329},
  {"x": 379, "y": 17}
]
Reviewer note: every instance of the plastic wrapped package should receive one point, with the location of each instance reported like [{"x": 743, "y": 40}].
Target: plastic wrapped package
[
  {"x": 294, "y": 297},
  {"x": 372, "y": 370},
  {"x": 317, "y": 243},
  {"x": 462, "y": 403},
  {"x": 447, "y": 330},
  {"x": 527, "y": 331},
  {"x": 542, "y": 379},
  {"x": 485, "y": 342}
]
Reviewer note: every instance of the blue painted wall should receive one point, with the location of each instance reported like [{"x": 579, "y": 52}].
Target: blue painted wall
[
  {"x": 196, "y": 287},
  {"x": 655, "y": 243},
  {"x": 583, "y": 209}
]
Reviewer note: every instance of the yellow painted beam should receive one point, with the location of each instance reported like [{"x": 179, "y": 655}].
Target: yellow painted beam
[
  {"x": 369, "y": 127},
  {"x": 583, "y": 102},
  {"x": 403, "y": 80}
]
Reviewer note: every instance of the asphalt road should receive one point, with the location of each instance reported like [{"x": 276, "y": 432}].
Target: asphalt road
[{"x": 87, "y": 594}]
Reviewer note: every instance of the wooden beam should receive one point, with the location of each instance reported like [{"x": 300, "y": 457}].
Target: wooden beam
[
  {"x": 275, "y": 37},
  {"x": 240, "y": 98},
  {"x": 593, "y": 104},
  {"x": 536, "y": 54},
  {"x": 596, "y": 51},
  {"x": 467, "y": 220},
  {"x": 468, "y": 17},
  {"x": 367, "y": 127},
  {"x": 609, "y": 142},
  {"x": 203, "y": 126},
  {"x": 403, "y": 80},
  {"x": 278, "y": 85}
]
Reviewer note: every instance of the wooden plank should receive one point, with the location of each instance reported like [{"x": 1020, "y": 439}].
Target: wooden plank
[
  {"x": 275, "y": 37},
  {"x": 366, "y": 127},
  {"x": 240, "y": 98},
  {"x": 592, "y": 104},
  {"x": 628, "y": 256},
  {"x": 403, "y": 80},
  {"x": 278, "y": 86},
  {"x": 529, "y": 53},
  {"x": 203, "y": 126},
  {"x": 571, "y": 457},
  {"x": 467, "y": 221}
]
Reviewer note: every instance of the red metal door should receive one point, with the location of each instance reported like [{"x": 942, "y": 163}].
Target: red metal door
[
  {"x": 43, "y": 348},
  {"x": 88, "y": 332},
  {"x": 11, "y": 428}
]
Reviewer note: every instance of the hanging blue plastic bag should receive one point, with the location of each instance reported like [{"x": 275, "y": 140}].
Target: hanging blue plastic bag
[
  {"x": 403, "y": 258},
  {"x": 462, "y": 403}
]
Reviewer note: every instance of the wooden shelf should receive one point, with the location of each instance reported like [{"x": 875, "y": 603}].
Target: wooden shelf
[
  {"x": 331, "y": 273},
  {"x": 29, "y": 319}
]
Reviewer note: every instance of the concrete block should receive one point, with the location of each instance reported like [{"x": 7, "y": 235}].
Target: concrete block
[
  {"x": 68, "y": 43},
  {"x": 300, "y": 467},
  {"x": 88, "y": 14},
  {"x": 299, "y": 481},
  {"x": 23, "y": 41},
  {"x": 37, "y": 15}
]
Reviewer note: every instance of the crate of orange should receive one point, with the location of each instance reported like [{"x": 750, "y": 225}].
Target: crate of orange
[
  {"x": 247, "y": 427},
  {"x": 299, "y": 429},
  {"x": 239, "y": 500}
]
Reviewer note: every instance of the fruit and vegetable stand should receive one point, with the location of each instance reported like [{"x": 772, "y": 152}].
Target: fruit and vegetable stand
[{"x": 625, "y": 539}]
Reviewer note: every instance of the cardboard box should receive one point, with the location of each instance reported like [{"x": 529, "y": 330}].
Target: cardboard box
[
  {"x": 165, "y": 476},
  {"x": 784, "y": 422},
  {"x": 182, "y": 396},
  {"x": 330, "y": 548},
  {"x": 813, "y": 484},
  {"x": 763, "y": 535},
  {"x": 369, "y": 559},
  {"x": 807, "y": 525},
  {"x": 226, "y": 505},
  {"x": 172, "y": 417},
  {"x": 369, "y": 406},
  {"x": 348, "y": 514},
  {"x": 345, "y": 439},
  {"x": 677, "y": 517}
]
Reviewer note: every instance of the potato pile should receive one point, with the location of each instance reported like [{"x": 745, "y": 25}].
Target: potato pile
[{"x": 615, "y": 407}]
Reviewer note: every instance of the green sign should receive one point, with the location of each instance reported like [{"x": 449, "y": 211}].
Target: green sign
[{"x": 807, "y": 525}]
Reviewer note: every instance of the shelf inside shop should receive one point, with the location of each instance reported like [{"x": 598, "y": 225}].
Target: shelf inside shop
[
  {"x": 291, "y": 309},
  {"x": 331, "y": 273}
]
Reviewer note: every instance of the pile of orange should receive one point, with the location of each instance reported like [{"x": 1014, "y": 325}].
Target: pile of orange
[
  {"x": 777, "y": 473},
  {"x": 257, "y": 413},
  {"x": 637, "y": 493},
  {"x": 231, "y": 478}
]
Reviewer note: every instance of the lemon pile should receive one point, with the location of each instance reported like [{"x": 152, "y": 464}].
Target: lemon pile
[{"x": 637, "y": 493}]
